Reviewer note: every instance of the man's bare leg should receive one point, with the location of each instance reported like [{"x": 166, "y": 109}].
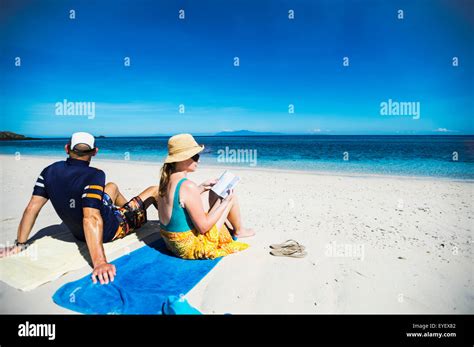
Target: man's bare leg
[
  {"x": 149, "y": 197},
  {"x": 113, "y": 191}
]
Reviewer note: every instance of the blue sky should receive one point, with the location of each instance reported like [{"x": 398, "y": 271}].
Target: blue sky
[{"x": 282, "y": 62}]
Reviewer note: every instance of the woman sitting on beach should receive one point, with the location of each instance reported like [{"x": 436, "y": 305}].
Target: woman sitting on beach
[{"x": 192, "y": 217}]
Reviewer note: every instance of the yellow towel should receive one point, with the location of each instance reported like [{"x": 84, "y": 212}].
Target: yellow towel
[{"x": 48, "y": 258}]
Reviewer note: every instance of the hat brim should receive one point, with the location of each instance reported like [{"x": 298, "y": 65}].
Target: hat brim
[{"x": 184, "y": 155}]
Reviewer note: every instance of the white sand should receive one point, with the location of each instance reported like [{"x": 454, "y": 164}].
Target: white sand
[{"x": 426, "y": 222}]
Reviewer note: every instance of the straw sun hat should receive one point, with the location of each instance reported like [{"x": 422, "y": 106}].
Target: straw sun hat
[{"x": 182, "y": 147}]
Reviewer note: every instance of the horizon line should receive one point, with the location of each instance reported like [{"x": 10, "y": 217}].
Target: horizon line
[{"x": 34, "y": 137}]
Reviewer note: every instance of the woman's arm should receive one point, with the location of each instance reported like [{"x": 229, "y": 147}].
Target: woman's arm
[
  {"x": 193, "y": 203},
  {"x": 206, "y": 185}
]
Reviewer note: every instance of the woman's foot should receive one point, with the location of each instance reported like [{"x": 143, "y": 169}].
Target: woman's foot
[{"x": 244, "y": 232}]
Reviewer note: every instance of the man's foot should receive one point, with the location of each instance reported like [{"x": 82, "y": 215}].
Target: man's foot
[{"x": 244, "y": 232}]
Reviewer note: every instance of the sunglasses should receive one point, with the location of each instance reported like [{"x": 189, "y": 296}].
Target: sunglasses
[{"x": 195, "y": 157}]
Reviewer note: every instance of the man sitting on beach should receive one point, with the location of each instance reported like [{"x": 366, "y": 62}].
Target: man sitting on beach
[{"x": 93, "y": 211}]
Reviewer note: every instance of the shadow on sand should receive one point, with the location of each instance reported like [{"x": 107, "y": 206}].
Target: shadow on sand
[{"x": 61, "y": 232}]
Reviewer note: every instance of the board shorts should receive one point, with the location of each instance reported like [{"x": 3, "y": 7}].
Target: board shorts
[{"x": 130, "y": 216}]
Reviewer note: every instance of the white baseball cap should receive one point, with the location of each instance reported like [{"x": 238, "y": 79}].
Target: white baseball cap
[{"x": 82, "y": 138}]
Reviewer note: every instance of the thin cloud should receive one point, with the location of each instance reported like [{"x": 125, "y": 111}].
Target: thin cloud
[{"x": 444, "y": 130}]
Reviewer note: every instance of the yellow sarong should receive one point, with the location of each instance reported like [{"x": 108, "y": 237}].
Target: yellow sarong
[{"x": 194, "y": 245}]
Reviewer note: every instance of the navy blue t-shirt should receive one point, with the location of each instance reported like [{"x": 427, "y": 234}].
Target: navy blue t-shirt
[{"x": 72, "y": 185}]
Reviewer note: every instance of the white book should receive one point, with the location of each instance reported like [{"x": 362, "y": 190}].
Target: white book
[{"x": 226, "y": 182}]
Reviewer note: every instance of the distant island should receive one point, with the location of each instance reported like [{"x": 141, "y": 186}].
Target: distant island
[
  {"x": 8, "y": 135},
  {"x": 244, "y": 133}
]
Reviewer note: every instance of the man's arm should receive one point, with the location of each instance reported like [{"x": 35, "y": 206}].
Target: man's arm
[
  {"x": 93, "y": 231},
  {"x": 30, "y": 214},
  {"x": 26, "y": 224}
]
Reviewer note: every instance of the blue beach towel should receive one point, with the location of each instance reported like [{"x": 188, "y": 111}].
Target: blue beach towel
[
  {"x": 175, "y": 305},
  {"x": 145, "y": 279}
]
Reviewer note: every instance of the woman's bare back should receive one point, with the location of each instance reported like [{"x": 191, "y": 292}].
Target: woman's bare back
[{"x": 165, "y": 203}]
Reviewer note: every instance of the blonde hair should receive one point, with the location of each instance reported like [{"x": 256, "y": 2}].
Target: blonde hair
[{"x": 166, "y": 170}]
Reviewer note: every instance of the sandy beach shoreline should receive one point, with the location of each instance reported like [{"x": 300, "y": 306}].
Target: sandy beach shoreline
[
  {"x": 266, "y": 169},
  {"x": 376, "y": 244}
]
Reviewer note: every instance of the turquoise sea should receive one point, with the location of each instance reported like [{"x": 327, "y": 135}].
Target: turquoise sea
[{"x": 435, "y": 156}]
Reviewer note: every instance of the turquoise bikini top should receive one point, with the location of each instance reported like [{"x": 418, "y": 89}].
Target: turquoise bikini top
[{"x": 180, "y": 220}]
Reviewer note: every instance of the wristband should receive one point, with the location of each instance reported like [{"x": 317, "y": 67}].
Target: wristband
[{"x": 22, "y": 245}]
